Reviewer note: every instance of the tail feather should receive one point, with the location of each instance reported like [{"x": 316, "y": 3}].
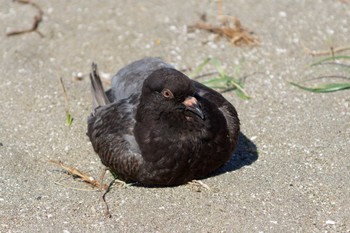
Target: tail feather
[{"x": 99, "y": 98}]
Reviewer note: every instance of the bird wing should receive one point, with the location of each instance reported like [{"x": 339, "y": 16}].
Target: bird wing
[
  {"x": 110, "y": 129},
  {"x": 223, "y": 105},
  {"x": 129, "y": 80}
]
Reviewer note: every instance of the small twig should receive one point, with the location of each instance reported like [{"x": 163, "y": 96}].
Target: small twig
[
  {"x": 199, "y": 185},
  {"x": 37, "y": 20},
  {"x": 236, "y": 35},
  {"x": 66, "y": 98},
  {"x": 230, "y": 28},
  {"x": 69, "y": 118},
  {"x": 69, "y": 187},
  {"x": 220, "y": 7},
  {"x": 331, "y": 51},
  {"x": 103, "y": 173},
  {"x": 107, "y": 213},
  {"x": 75, "y": 172}
]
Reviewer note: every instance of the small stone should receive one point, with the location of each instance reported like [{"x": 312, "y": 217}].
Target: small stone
[{"x": 330, "y": 222}]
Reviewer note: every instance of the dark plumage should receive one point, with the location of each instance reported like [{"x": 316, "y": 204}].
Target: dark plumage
[{"x": 158, "y": 127}]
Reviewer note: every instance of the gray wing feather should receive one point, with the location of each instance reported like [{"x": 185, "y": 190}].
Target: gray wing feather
[
  {"x": 129, "y": 80},
  {"x": 99, "y": 97}
]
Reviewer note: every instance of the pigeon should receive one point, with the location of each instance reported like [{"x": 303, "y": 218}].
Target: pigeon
[{"x": 157, "y": 127}]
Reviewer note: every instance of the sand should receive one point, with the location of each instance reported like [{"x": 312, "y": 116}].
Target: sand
[{"x": 291, "y": 172}]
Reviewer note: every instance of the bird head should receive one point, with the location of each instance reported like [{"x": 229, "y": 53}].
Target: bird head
[{"x": 173, "y": 91}]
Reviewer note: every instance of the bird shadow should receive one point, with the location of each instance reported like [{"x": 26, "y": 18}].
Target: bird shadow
[{"x": 245, "y": 154}]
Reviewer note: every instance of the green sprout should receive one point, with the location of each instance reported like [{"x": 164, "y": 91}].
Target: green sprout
[
  {"x": 223, "y": 82},
  {"x": 69, "y": 119},
  {"x": 328, "y": 87}
]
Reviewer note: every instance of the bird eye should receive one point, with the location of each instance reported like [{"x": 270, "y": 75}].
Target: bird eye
[{"x": 167, "y": 93}]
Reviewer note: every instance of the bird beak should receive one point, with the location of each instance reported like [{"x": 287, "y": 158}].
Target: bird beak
[{"x": 192, "y": 105}]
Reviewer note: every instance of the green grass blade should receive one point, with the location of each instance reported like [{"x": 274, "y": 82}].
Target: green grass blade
[
  {"x": 240, "y": 91},
  {"x": 224, "y": 82},
  {"x": 324, "y": 88},
  {"x": 237, "y": 70},
  {"x": 69, "y": 119},
  {"x": 218, "y": 66},
  {"x": 199, "y": 68},
  {"x": 329, "y": 59},
  {"x": 242, "y": 94}
]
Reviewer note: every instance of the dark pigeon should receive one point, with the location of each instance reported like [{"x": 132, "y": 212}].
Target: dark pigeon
[{"x": 157, "y": 127}]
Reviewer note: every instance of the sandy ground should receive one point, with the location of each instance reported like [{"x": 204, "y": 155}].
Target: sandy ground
[{"x": 291, "y": 172}]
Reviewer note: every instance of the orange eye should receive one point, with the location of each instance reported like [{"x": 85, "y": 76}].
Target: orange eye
[{"x": 167, "y": 93}]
